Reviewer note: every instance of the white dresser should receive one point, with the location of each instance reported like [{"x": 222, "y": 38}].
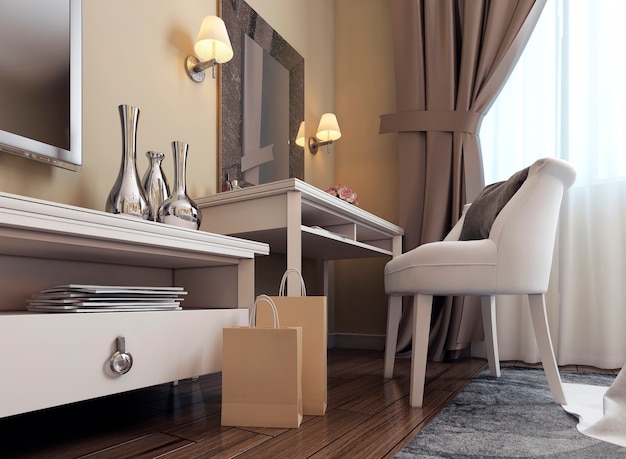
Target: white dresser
[{"x": 50, "y": 359}]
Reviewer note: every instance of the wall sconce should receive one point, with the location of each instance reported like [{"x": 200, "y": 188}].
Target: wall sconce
[
  {"x": 300, "y": 137},
  {"x": 212, "y": 47},
  {"x": 327, "y": 132}
]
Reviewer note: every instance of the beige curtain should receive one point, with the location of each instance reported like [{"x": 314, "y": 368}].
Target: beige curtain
[{"x": 452, "y": 57}]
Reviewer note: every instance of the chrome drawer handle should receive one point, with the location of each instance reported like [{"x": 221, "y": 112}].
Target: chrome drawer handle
[{"x": 121, "y": 361}]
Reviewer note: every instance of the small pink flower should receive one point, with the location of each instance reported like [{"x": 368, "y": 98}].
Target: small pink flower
[{"x": 344, "y": 193}]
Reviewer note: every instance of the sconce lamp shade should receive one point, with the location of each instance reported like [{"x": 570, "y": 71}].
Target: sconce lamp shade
[
  {"x": 327, "y": 132},
  {"x": 213, "y": 41},
  {"x": 328, "y": 129},
  {"x": 212, "y": 47},
  {"x": 300, "y": 137}
]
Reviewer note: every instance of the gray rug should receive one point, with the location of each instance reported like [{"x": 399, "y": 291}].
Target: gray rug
[{"x": 512, "y": 416}]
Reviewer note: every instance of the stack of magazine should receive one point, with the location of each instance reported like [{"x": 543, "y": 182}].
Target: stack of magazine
[{"x": 106, "y": 298}]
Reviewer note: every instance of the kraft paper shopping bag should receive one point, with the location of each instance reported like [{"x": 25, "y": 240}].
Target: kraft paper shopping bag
[
  {"x": 262, "y": 373},
  {"x": 310, "y": 313}
]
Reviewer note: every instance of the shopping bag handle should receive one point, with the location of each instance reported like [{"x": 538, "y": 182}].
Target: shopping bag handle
[
  {"x": 283, "y": 282},
  {"x": 267, "y": 299}
]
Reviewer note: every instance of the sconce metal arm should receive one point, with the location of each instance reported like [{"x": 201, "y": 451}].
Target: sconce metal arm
[
  {"x": 195, "y": 69},
  {"x": 314, "y": 144}
]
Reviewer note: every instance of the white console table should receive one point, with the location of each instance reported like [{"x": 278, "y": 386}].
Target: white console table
[
  {"x": 51, "y": 359},
  {"x": 300, "y": 220}
]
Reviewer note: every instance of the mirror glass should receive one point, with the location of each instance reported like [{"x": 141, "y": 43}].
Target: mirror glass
[
  {"x": 262, "y": 101},
  {"x": 40, "y": 80}
]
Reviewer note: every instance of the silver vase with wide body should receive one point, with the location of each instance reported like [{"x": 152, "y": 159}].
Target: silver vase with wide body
[
  {"x": 179, "y": 209},
  {"x": 128, "y": 195},
  {"x": 155, "y": 183}
]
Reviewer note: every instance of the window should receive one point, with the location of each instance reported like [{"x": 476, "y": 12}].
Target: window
[{"x": 566, "y": 97}]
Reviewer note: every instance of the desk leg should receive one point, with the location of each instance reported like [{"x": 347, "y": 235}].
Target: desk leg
[
  {"x": 393, "y": 318},
  {"x": 245, "y": 284},
  {"x": 393, "y": 323},
  {"x": 294, "y": 240},
  {"x": 325, "y": 277}
]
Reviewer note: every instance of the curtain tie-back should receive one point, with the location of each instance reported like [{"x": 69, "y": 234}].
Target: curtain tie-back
[{"x": 431, "y": 120}]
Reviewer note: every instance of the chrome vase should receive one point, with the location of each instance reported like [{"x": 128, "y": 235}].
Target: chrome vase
[
  {"x": 127, "y": 195},
  {"x": 179, "y": 209},
  {"x": 155, "y": 183}
]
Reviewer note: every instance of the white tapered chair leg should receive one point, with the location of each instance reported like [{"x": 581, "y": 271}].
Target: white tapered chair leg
[
  {"x": 423, "y": 305},
  {"x": 488, "y": 306},
  {"x": 544, "y": 342},
  {"x": 393, "y": 323}
]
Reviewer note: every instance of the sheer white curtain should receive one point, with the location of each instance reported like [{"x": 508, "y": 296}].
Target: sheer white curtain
[{"x": 567, "y": 98}]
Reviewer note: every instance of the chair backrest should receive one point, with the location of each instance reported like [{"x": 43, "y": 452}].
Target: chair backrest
[{"x": 525, "y": 229}]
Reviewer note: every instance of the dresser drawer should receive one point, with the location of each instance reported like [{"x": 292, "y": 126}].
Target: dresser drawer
[{"x": 53, "y": 359}]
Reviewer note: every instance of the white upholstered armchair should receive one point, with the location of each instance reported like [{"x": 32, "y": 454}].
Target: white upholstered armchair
[{"x": 507, "y": 244}]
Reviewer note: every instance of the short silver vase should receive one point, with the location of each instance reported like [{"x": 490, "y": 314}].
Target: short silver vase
[
  {"x": 179, "y": 209},
  {"x": 128, "y": 195},
  {"x": 155, "y": 183}
]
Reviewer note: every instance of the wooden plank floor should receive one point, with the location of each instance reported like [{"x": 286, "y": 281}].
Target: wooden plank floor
[{"x": 367, "y": 417}]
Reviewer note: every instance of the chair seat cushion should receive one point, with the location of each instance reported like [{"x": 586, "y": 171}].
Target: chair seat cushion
[
  {"x": 444, "y": 268},
  {"x": 488, "y": 204}
]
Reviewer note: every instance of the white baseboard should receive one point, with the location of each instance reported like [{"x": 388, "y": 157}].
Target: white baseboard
[
  {"x": 377, "y": 343},
  {"x": 356, "y": 341}
]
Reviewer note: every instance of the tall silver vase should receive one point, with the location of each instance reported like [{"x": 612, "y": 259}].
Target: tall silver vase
[
  {"x": 127, "y": 195},
  {"x": 155, "y": 183},
  {"x": 179, "y": 209}
]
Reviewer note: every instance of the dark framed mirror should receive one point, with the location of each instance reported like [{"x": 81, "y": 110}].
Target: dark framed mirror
[{"x": 262, "y": 101}]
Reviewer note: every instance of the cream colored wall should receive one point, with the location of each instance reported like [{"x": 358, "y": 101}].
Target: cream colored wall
[
  {"x": 133, "y": 53},
  {"x": 364, "y": 159},
  {"x": 308, "y": 25},
  {"x": 341, "y": 78}
]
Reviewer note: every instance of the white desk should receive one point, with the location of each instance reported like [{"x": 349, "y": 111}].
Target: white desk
[{"x": 300, "y": 220}]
